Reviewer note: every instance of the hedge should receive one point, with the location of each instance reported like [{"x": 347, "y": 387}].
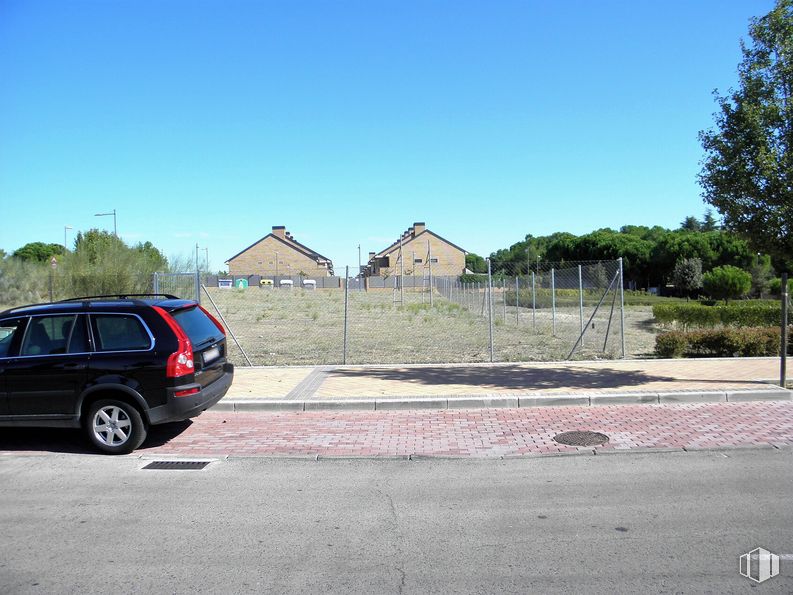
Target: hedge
[
  {"x": 741, "y": 314},
  {"x": 727, "y": 342},
  {"x": 569, "y": 297}
]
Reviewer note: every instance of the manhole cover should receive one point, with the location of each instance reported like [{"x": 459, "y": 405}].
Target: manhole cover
[
  {"x": 181, "y": 465},
  {"x": 581, "y": 438}
]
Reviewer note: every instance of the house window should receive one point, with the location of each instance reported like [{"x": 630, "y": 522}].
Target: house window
[
  {"x": 417, "y": 261},
  {"x": 433, "y": 260}
]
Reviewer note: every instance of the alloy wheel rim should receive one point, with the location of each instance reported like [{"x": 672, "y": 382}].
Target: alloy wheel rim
[{"x": 112, "y": 426}]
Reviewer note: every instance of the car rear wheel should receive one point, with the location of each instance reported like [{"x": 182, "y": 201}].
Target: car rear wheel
[{"x": 115, "y": 427}]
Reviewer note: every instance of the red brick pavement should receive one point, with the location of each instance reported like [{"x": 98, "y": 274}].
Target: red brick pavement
[{"x": 477, "y": 433}]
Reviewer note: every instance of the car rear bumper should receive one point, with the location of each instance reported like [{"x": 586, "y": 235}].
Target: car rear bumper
[{"x": 180, "y": 408}]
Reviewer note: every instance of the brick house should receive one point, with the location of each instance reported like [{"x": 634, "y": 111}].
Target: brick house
[
  {"x": 278, "y": 254},
  {"x": 414, "y": 251}
]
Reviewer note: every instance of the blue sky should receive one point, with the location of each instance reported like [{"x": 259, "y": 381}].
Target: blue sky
[{"x": 210, "y": 122}]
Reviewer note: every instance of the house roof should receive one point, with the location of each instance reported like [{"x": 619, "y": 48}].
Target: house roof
[
  {"x": 395, "y": 245},
  {"x": 291, "y": 243}
]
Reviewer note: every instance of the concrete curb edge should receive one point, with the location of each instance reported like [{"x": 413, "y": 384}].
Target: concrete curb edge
[{"x": 496, "y": 401}]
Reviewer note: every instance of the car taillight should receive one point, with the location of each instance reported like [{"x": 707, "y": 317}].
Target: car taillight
[
  {"x": 214, "y": 320},
  {"x": 187, "y": 392},
  {"x": 180, "y": 362}
]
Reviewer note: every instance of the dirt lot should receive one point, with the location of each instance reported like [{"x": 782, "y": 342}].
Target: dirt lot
[{"x": 305, "y": 327}]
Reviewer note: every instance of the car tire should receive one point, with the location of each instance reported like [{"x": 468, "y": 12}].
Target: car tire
[{"x": 115, "y": 427}]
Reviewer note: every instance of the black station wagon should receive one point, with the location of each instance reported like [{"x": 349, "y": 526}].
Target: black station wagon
[{"x": 112, "y": 365}]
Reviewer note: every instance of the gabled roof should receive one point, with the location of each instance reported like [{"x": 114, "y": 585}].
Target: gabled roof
[
  {"x": 314, "y": 254},
  {"x": 291, "y": 244},
  {"x": 395, "y": 245}
]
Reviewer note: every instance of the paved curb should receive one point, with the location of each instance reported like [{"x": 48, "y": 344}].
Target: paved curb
[
  {"x": 495, "y": 401},
  {"x": 423, "y": 457}
]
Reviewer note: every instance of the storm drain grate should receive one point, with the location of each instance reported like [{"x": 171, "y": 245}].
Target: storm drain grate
[
  {"x": 581, "y": 438},
  {"x": 180, "y": 465}
]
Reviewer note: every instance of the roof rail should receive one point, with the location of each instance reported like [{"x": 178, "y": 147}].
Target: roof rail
[{"x": 122, "y": 296}]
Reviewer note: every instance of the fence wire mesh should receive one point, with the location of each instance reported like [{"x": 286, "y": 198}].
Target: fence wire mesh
[
  {"x": 428, "y": 314},
  {"x": 442, "y": 317}
]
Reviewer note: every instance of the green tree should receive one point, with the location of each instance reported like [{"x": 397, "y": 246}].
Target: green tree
[
  {"x": 475, "y": 263},
  {"x": 690, "y": 224},
  {"x": 687, "y": 275},
  {"x": 762, "y": 273},
  {"x": 95, "y": 244},
  {"x": 153, "y": 259},
  {"x": 709, "y": 222},
  {"x": 103, "y": 264},
  {"x": 726, "y": 283},
  {"x": 38, "y": 251},
  {"x": 747, "y": 171}
]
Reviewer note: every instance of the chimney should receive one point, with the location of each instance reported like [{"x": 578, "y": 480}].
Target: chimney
[
  {"x": 418, "y": 228},
  {"x": 371, "y": 255},
  {"x": 411, "y": 232},
  {"x": 279, "y": 231}
]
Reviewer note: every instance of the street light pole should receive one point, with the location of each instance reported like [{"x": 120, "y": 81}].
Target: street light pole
[
  {"x": 115, "y": 228},
  {"x": 65, "y": 228}
]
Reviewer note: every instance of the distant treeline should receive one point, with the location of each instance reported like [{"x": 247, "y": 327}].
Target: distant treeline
[{"x": 649, "y": 253}]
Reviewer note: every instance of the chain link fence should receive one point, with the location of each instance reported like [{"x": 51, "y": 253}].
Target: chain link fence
[
  {"x": 426, "y": 314},
  {"x": 552, "y": 313}
]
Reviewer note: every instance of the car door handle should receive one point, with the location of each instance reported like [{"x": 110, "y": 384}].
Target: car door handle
[{"x": 74, "y": 366}]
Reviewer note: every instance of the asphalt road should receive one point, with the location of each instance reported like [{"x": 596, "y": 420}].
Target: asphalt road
[{"x": 618, "y": 523}]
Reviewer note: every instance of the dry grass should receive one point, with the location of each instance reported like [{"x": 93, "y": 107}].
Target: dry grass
[{"x": 299, "y": 327}]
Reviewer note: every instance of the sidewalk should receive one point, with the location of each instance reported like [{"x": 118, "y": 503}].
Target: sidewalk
[
  {"x": 474, "y": 432},
  {"x": 512, "y": 385}
]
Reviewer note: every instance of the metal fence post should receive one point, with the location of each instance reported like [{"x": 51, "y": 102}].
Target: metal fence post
[
  {"x": 622, "y": 307},
  {"x": 346, "y": 287},
  {"x": 504, "y": 296},
  {"x": 517, "y": 302},
  {"x": 783, "y": 349},
  {"x": 533, "y": 303},
  {"x": 198, "y": 286},
  {"x": 553, "y": 302},
  {"x": 156, "y": 282},
  {"x": 490, "y": 307},
  {"x": 581, "y": 303},
  {"x": 429, "y": 251}
]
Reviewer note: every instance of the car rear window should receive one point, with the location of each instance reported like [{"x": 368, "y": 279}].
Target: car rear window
[{"x": 197, "y": 326}]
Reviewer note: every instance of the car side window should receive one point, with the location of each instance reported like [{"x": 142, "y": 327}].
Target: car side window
[
  {"x": 78, "y": 342},
  {"x": 8, "y": 330},
  {"x": 119, "y": 332},
  {"x": 47, "y": 335}
]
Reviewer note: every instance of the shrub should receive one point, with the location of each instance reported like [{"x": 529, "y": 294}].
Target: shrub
[
  {"x": 727, "y": 342},
  {"x": 671, "y": 344},
  {"x": 473, "y": 278},
  {"x": 775, "y": 286},
  {"x": 726, "y": 282},
  {"x": 22, "y": 282},
  {"x": 739, "y": 314}
]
